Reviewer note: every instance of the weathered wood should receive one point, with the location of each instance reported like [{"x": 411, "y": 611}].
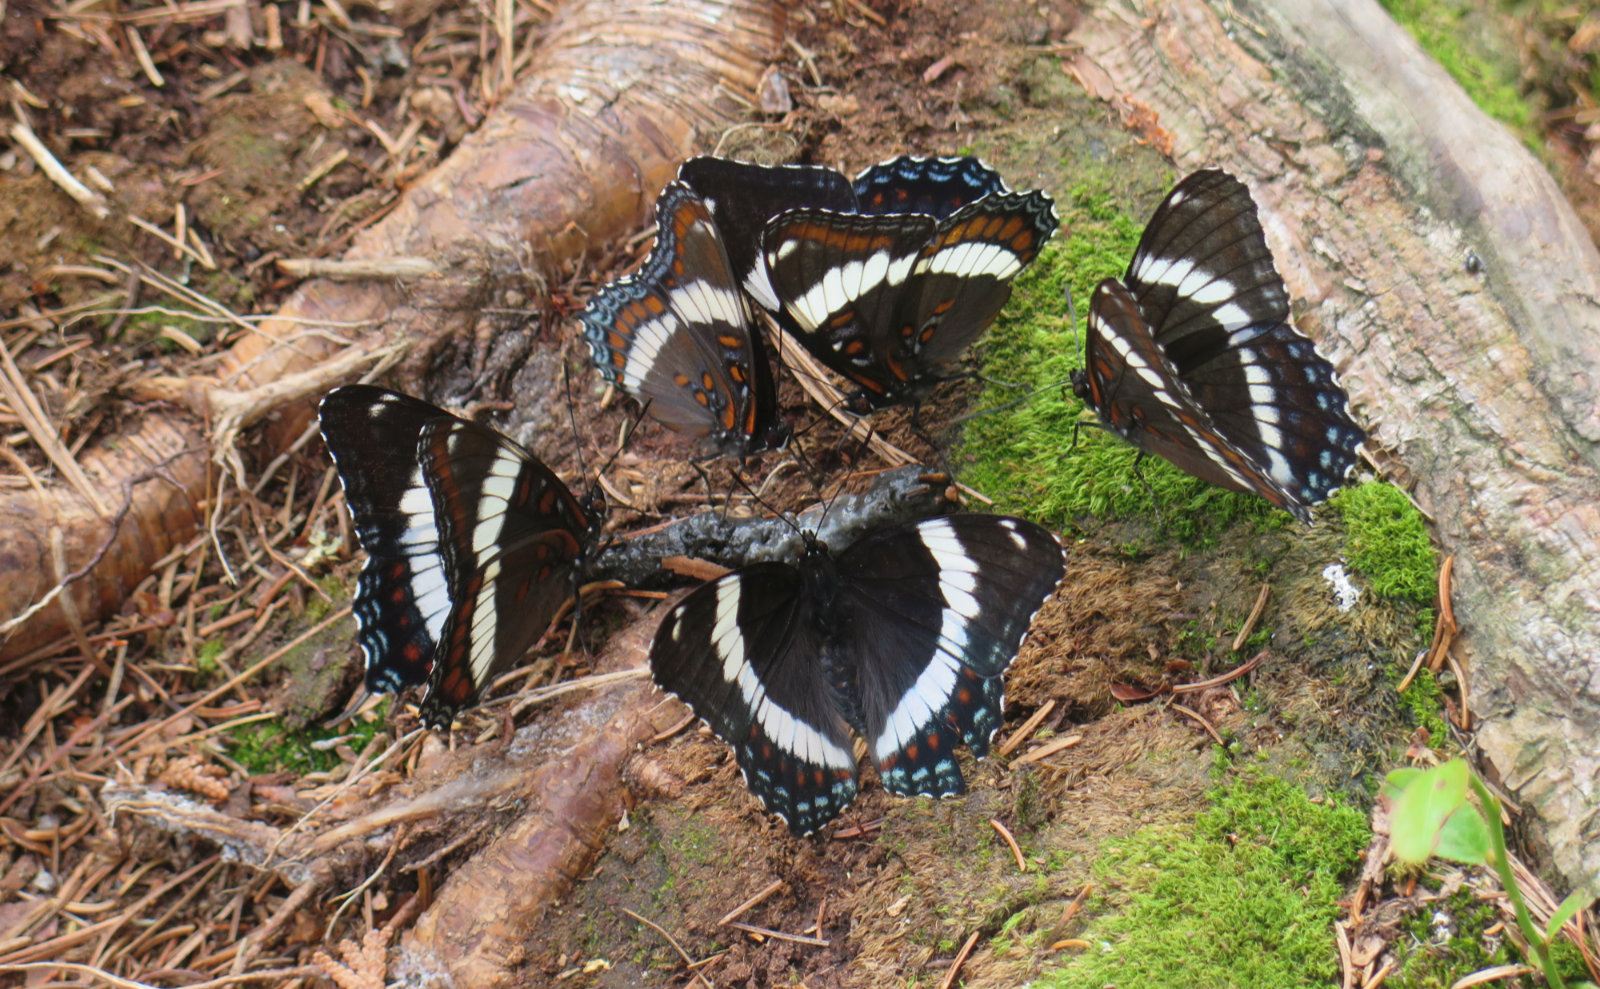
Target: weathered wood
[
  {"x": 1376, "y": 176},
  {"x": 621, "y": 91}
]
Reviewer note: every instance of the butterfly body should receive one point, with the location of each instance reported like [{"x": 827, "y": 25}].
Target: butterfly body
[
  {"x": 472, "y": 543},
  {"x": 901, "y": 640},
  {"x": 1191, "y": 356}
]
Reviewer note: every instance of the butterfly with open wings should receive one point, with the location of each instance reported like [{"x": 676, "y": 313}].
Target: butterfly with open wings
[
  {"x": 902, "y": 639},
  {"x": 1191, "y": 356},
  {"x": 472, "y": 543}
]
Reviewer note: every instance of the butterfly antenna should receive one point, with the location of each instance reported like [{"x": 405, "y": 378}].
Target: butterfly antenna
[
  {"x": 755, "y": 496},
  {"x": 1072, "y": 323},
  {"x": 572, "y": 417},
  {"x": 806, "y": 466}
]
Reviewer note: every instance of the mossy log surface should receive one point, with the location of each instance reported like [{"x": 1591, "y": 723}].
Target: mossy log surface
[
  {"x": 621, "y": 92},
  {"x": 1378, "y": 179}
]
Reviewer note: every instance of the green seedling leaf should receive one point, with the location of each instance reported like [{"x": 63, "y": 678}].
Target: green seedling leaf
[
  {"x": 1575, "y": 901},
  {"x": 1464, "y": 837},
  {"x": 1396, "y": 782},
  {"x": 1423, "y": 807}
]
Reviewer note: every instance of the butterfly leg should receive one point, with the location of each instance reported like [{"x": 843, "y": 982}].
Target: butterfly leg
[{"x": 1138, "y": 471}]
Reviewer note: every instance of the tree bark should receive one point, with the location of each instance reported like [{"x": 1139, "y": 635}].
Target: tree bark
[
  {"x": 622, "y": 91},
  {"x": 1376, "y": 176}
]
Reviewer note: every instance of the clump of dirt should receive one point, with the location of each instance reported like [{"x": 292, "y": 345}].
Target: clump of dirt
[{"x": 1111, "y": 620}]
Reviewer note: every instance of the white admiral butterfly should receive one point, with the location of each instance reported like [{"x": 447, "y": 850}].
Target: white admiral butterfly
[
  {"x": 679, "y": 335},
  {"x": 886, "y": 279},
  {"x": 472, "y": 544},
  {"x": 903, "y": 639},
  {"x": 1191, "y": 356}
]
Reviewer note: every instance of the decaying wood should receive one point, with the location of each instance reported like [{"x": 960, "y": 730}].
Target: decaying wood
[
  {"x": 478, "y": 925},
  {"x": 1376, "y": 176},
  {"x": 621, "y": 91}
]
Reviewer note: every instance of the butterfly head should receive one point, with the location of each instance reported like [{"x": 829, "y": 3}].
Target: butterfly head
[{"x": 1081, "y": 386}]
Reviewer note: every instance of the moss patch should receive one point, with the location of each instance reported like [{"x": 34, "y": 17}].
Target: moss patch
[
  {"x": 269, "y": 747},
  {"x": 1460, "y": 36},
  {"x": 1042, "y": 456},
  {"x": 1388, "y": 542},
  {"x": 1247, "y": 898}
]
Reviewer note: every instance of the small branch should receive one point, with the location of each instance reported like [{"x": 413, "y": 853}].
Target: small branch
[
  {"x": 86, "y": 197},
  {"x": 750, "y": 904},
  {"x": 1005, "y": 835},
  {"x": 359, "y": 270},
  {"x": 1028, "y": 728}
]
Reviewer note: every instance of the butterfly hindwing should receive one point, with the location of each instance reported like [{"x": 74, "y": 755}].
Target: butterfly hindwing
[
  {"x": 402, "y": 596},
  {"x": 679, "y": 335},
  {"x": 913, "y": 184},
  {"x": 1129, "y": 382},
  {"x": 944, "y": 605},
  {"x": 472, "y": 543}
]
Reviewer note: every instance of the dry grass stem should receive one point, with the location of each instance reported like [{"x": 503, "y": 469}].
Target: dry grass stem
[
  {"x": 761, "y": 932},
  {"x": 1027, "y": 729},
  {"x": 86, "y": 197},
  {"x": 1249, "y": 625},
  {"x": 1011, "y": 843},
  {"x": 949, "y": 979},
  {"x": 751, "y": 903},
  {"x": 687, "y": 961},
  {"x": 40, "y": 429}
]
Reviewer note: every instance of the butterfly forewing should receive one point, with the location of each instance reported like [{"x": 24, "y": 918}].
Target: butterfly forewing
[
  {"x": 679, "y": 335},
  {"x": 963, "y": 275},
  {"x": 402, "y": 595},
  {"x": 936, "y": 186},
  {"x": 513, "y": 536},
  {"x": 944, "y": 605},
  {"x": 742, "y": 652},
  {"x": 742, "y": 197},
  {"x": 840, "y": 277}
]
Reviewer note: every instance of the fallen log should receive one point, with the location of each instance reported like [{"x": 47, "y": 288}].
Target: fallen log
[{"x": 1377, "y": 178}]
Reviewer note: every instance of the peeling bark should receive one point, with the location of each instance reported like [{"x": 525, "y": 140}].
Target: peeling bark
[
  {"x": 621, "y": 92},
  {"x": 1376, "y": 175}
]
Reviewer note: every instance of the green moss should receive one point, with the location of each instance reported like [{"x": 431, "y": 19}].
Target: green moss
[
  {"x": 269, "y": 747},
  {"x": 1458, "y": 35},
  {"x": 1246, "y": 898},
  {"x": 206, "y": 660},
  {"x": 1041, "y": 455},
  {"x": 1443, "y": 943},
  {"x": 1388, "y": 542}
]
